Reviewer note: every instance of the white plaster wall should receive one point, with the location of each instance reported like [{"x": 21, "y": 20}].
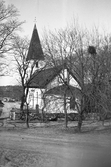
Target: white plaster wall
[{"x": 34, "y": 98}]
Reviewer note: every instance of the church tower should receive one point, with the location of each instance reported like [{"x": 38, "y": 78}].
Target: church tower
[
  {"x": 35, "y": 51},
  {"x": 35, "y": 56}
]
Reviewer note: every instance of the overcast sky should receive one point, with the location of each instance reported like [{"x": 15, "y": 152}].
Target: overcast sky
[
  {"x": 57, "y": 13},
  {"x": 54, "y": 14}
]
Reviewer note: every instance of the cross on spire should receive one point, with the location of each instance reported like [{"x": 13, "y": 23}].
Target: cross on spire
[{"x": 35, "y": 20}]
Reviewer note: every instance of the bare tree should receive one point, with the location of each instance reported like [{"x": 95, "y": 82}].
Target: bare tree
[
  {"x": 88, "y": 69},
  {"x": 25, "y": 69},
  {"x": 68, "y": 46},
  {"x": 20, "y": 49},
  {"x": 9, "y": 24},
  {"x": 100, "y": 68}
]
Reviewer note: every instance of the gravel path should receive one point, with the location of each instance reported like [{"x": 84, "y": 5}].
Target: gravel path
[{"x": 54, "y": 146}]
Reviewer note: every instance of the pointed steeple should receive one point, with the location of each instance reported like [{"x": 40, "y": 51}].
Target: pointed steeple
[{"x": 35, "y": 50}]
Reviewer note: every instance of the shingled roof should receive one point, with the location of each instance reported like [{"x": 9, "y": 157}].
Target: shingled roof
[
  {"x": 41, "y": 78},
  {"x": 35, "y": 50},
  {"x": 64, "y": 89}
]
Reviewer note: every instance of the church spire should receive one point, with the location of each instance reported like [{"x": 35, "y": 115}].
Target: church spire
[{"x": 35, "y": 50}]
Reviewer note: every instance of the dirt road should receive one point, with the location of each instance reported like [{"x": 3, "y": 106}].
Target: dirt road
[{"x": 42, "y": 147}]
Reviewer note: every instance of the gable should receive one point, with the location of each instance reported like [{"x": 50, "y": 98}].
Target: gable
[
  {"x": 47, "y": 77},
  {"x": 42, "y": 78}
]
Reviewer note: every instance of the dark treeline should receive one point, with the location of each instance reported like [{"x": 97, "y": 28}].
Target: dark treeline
[{"x": 14, "y": 92}]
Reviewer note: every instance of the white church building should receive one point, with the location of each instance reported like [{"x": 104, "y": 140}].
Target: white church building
[{"x": 52, "y": 86}]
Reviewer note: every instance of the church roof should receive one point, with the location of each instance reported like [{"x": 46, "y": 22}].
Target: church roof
[
  {"x": 41, "y": 78},
  {"x": 35, "y": 50},
  {"x": 64, "y": 89}
]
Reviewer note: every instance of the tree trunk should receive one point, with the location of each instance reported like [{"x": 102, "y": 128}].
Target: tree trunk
[
  {"x": 103, "y": 119},
  {"x": 22, "y": 99},
  {"x": 44, "y": 105},
  {"x": 22, "y": 103},
  {"x": 22, "y": 106},
  {"x": 42, "y": 114},
  {"x": 79, "y": 122},
  {"x": 27, "y": 117},
  {"x": 65, "y": 111},
  {"x": 80, "y": 115}
]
